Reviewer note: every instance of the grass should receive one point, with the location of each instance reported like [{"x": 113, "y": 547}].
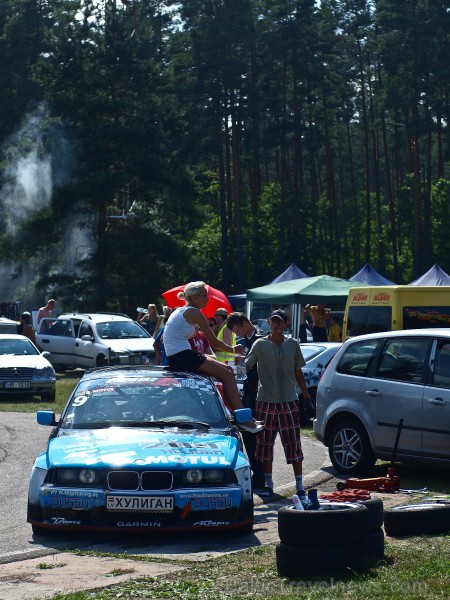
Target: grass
[
  {"x": 412, "y": 568},
  {"x": 65, "y": 384}
]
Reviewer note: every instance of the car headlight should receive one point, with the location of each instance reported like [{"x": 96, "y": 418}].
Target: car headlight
[
  {"x": 74, "y": 476},
  {"x": 45, "y": 373},
  {"x": 195, "y": 476}
]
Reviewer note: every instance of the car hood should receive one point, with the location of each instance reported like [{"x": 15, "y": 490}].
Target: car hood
[
  {"x": 21, "y": 361},
  {"x": 118, "y": 447},
  {"x": 130, "y": 345}
]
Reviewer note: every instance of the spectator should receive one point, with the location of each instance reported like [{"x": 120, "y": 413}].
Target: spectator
[
  {"x": 319, "y": 316},
  {"x": 224, "y": 334},
  {"x": 243, "y": 328},
  {"x": 46, "y": 311},
  {"x": 26, "y": 327},
  {"x": 150, "y": 319},
  {"x": 334, "y": 333},
  {"x": 181, "y": 326},
  {"x": 279, "y": 361},
  {"x": 199, "y": 343}
]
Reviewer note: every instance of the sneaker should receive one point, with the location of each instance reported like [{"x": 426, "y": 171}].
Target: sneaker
[
  {"x": 301, "y": 493},
  {"x": 266, "y": 492}
]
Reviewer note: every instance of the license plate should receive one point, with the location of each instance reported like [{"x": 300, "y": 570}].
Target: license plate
[
  {"x": 140, "y": 503},
  {"x": 17, "y": 385}
]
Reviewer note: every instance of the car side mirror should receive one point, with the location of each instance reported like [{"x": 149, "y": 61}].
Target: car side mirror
[
  {"x": 46, "y": 417},
  {"x": 46, "y": 354},
  {"x": 87, "y": 338}
]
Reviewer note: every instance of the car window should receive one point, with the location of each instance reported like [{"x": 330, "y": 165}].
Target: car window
[
  {"x": 357, "y": 358},
  {"x": 310, "y": 351},
  {"x": 17, "y": 348},
  {"x": 368, "y": 319},
  {"x": 85, "y": 329},
  {"x": 121, "y": 330},
  {"x": 403, "y": 359},
  {"x": 441, "y": 369},
  {"x": 127, "y": 402}
]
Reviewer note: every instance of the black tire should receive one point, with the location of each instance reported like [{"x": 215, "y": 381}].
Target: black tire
[
  {"x": 334, "y": 524},
  {"x": 375, "y": 507},
  {"x": 48, "y": 396},
  {"x": 417, "y": 519},
  {"x": 349, "y": 448},
  {"x": 300, "y": 561},
  {"x": 375, "y": 544},
  {"x": 102, "y": 361}
]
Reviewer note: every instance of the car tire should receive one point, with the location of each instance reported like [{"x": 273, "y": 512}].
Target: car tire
[
  {"x": 101, "y": 361},
  {"x": 417, "y": 519},
  {"x": 48, "y": 396},
  {"x": 300, "y": 561},
  {"x": 375, "y": 507},
  {"x": 334, "y": 524},
  {"x": 349, "y": 448},
  {"x": 375, "y": 544}
]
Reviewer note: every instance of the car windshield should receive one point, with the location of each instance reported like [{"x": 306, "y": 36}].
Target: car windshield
[
  {"x": 18, "y": 347},
  {"x": 120, "y": 330},
  {"x": 161, "y": 401},
  {"x": 310, "y": 351}
]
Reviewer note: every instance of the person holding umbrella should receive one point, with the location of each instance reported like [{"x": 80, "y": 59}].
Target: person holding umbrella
[{"x": 181, "y": 326}]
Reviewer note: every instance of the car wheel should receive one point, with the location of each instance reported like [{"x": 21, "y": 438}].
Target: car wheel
[
  {"x": 349, "y": 448},
  {"x": 48, "y": 396},
  {"x": 102, "y": 361},
  {"x": 334, "y": 524},
  {"x": 375, "y": 544},
  {"x": 417, "y": 519},
  {"x": 298, "y": 561}
]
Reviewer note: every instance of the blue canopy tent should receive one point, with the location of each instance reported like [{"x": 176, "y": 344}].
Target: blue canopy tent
[
  {"x": 435, "y": 276},
  {"x": 370, "y": 276}
]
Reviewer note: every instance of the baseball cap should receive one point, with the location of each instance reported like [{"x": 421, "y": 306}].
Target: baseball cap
[
  {"x": 222, "y": 311},
  {"x": 26, "y": 314},
  {"x": 279, "y": 314}
]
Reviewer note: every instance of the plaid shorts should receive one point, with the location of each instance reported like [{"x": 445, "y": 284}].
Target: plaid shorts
[{"x": 285, "y": 419}]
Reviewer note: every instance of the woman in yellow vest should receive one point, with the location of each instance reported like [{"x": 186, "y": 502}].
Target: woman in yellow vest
[{"x": 224, "y": 334}]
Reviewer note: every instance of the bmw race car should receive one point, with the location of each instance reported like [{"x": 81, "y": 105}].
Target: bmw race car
[{"x": 141, "y": 448}]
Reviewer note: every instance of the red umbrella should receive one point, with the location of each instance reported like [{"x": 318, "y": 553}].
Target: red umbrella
[{"x": 217, "y": 299}]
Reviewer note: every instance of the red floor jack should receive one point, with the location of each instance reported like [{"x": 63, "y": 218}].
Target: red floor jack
[{"x": 388, "y": 484}]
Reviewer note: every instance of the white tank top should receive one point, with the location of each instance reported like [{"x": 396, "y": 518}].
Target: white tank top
[{"x": 177, "y": 331}]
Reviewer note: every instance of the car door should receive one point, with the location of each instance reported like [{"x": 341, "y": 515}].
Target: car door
[
  {"x": 394, "y": 390},
  {"x": 436, "y": 405},
  {"x": 57, "y": 336},
  {"x": 86, "y": 348}
]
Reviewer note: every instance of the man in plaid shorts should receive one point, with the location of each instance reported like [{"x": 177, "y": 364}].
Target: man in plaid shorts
[{"x": 279, "y": 361}]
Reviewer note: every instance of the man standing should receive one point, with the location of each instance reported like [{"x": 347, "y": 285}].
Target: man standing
[
  {"x": 319, "y": 316},
  {"x": 47, "y": 310},
  {"x": 224, "y": 334},
  {"x": 243, "y": 328},
  {"x": 279, "y": 360}
]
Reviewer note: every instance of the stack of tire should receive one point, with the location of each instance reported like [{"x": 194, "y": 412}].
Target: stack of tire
[
  {"x": 338, "y": 536},
  {"x": 430, "y": 518}
]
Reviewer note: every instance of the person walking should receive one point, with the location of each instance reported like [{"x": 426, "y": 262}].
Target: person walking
[
  {"x": 244, "y": 328},
  {"x": 279, "y": 361},
  {"x": 181, "y": 326}
]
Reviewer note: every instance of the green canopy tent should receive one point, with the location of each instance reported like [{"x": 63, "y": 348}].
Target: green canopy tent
[{"x": 307, "y": 290}]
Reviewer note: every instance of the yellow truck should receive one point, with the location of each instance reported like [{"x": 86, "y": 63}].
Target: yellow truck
[{"x": 388, "y": 308}]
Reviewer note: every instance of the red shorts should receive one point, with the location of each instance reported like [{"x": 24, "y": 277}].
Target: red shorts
[{"x": 285, "y": 420}]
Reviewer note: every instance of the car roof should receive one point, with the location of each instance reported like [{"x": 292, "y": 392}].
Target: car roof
[
  {"x": 427, "y": 332},
  {"x": 96, "y": 317},
  {"x": 148, "y": 371},
  {"x": 14, "y": 336}
]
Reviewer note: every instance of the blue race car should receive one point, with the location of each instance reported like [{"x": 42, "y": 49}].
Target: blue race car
[{"x": 141, "y": 448}]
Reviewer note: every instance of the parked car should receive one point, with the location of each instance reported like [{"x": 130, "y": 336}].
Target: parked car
[
  {"x": 94, "y": 340},
  {"x": 140, "y": 449},
  {"x": 373, "y": 382},
  {"x": 24, "y": 370},
  {"x": 317, "y": 355}
]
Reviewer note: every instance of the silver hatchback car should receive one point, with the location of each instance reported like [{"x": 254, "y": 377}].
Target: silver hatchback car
[{"x": 372, "y": 383}]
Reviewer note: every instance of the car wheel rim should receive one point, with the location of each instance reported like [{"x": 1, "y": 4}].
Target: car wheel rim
[{"x": 347, "y": 447}]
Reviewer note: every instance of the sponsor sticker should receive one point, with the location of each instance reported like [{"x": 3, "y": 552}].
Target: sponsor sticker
[{"x": 140, "y": 503}]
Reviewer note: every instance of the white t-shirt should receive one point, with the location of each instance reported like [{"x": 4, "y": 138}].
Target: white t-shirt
[{"x": 177, "y": 332}]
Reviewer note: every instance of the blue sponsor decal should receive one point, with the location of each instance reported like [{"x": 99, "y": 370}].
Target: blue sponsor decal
[
  {"x": 73, "y": 499},
  {"x": 210, "y": 500}
]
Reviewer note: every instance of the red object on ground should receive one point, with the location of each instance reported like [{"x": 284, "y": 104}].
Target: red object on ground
[
  {"x": 387, "y": 485},
  {"x": 346, "y": 496},
  {"x": 217, "y": 299}
]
